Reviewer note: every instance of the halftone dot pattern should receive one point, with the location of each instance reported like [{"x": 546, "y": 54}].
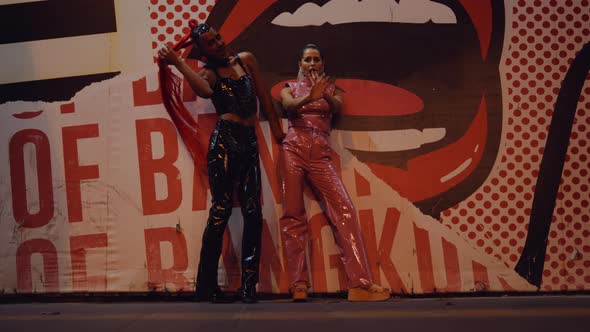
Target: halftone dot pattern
[
  {"x": 542, "y": 39},
  {"x": 170, "y": 18}
]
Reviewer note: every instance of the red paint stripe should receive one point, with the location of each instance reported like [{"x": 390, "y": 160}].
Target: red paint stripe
[
  {"x": 480, "y": 12},
  {"x": 424, "y": 258},
  {"x": 385, "y": 100},
  {"x": 505, "y": 285},
  {"x": 385, "y": 246},
  {"x": 480, "y": 277},
  {"x": 452, "y": 268},
  {"x": 27, "y": 115},
  {"x": 67, "y": 108},
  {"x": 363, "y": 187},
  {"x": 241, "y": 16}
]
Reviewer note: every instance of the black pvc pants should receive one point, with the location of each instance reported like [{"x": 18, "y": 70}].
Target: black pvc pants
[{"x": 232, "y": 164}]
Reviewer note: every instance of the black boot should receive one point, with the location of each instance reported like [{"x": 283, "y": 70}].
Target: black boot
[
  {"x": 215, "y": 296},
  {"x": 247, "y": 294}
]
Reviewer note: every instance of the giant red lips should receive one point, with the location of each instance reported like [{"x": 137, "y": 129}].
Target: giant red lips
[{"x": 423, "y": 99}]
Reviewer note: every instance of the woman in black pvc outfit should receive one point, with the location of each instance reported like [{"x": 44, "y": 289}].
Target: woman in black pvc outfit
[{"x": 233, "y": 82}]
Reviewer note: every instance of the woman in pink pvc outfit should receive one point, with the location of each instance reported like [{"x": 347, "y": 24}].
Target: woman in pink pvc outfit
[{"x": 307, "y": 158}]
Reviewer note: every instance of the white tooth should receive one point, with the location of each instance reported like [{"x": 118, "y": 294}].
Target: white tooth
[
  {"x": 349, "y": 11},
  {"x": 388, "y": 140}
]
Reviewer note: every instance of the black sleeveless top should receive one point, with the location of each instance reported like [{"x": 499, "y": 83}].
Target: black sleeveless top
[{"x": 234, "y": 95}]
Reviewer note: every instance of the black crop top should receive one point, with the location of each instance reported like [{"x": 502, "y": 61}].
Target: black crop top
[{"x": 234, "y": 95}]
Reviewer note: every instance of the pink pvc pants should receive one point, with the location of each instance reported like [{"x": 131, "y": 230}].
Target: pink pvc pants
[{"x": 306, "y": 158}]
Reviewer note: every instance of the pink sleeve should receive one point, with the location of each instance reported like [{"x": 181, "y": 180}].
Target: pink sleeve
[
  {"x": 293, "y": 86},
  {"x": 331, "y": 88}
]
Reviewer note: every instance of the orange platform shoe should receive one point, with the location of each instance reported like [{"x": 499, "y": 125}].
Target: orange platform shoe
[
  {"x": 371, "y": 294},
  {"x": 299, "y": 293}
]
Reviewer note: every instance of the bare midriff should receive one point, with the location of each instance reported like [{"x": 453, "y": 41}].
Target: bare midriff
[{"x": 236, "y": 118}]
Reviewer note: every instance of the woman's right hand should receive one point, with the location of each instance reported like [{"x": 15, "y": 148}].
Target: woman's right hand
[
  {"x": 319, "y": 85},
  {"x": 169, "y": 55}
]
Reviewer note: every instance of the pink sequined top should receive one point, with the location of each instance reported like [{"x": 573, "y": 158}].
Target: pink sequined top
[{"x": 316, "y": 114}]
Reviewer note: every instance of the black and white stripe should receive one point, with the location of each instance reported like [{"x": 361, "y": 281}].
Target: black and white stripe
[{"x": 51, "y": 49}]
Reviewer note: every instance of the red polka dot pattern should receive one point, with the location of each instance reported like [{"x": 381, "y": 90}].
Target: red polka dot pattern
[
  {"x": 542, "y": 38},
  {"x": 170, "y": 18}
]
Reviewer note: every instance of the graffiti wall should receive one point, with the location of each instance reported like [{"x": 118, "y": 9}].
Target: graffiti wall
[{"x": 463, "y": 143}]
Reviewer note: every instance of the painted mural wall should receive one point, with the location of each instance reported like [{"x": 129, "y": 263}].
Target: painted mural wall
[{"x": 463, "y": 143}]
